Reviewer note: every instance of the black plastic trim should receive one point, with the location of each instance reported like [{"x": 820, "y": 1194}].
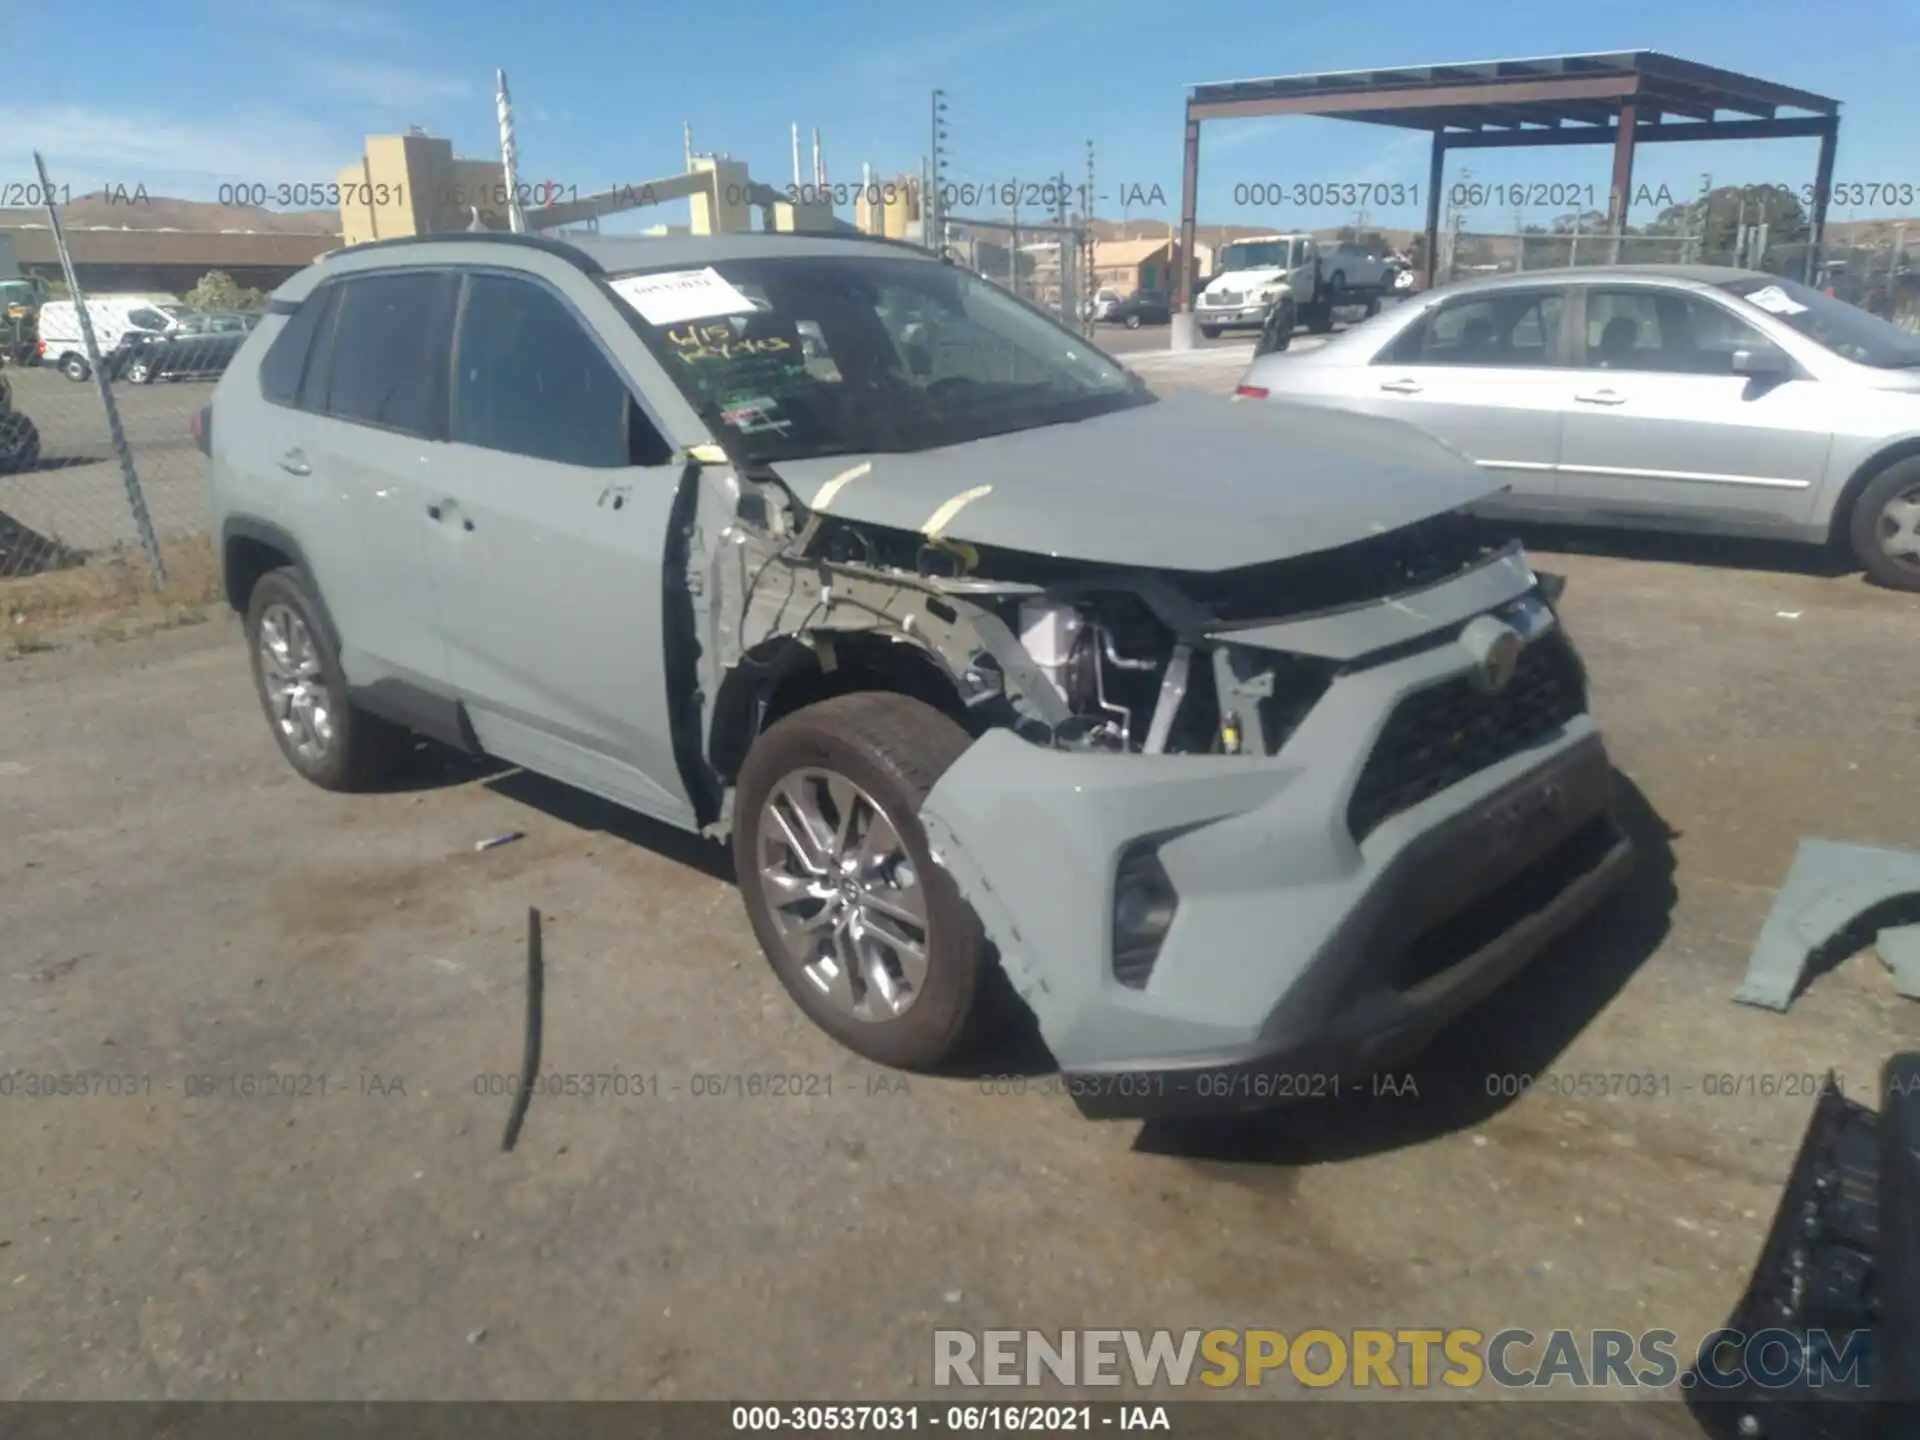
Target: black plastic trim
[
  {"x": 416, "y": 708},
  {"x": 574, "y": 256},
  {"x": 680, "y": 647},
  {"x": 245, "y": 527}
]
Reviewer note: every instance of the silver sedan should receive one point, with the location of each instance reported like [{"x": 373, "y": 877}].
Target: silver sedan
[{"x": 1684, "y": 397}]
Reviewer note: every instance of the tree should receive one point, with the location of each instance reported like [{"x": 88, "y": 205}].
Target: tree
[
  {"x": 1719, "y": 214},
  {"x": 217, "y": 290}
]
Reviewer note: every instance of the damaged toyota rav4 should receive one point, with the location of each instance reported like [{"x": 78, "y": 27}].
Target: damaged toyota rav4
[{"x": 1215, "y": 727}]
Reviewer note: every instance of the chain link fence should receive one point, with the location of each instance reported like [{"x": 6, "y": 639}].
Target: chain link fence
[
  {"x": 68, "y": 497},
  {"x": 102, "y": 492},
  {"x": 1043, "y": 264}
]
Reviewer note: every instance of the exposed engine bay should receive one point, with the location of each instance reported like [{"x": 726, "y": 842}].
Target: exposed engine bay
[{"x": 1069, "y": 654}]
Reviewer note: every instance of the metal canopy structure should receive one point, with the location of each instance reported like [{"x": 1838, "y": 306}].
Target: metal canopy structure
[{"x": 1623, "y": 99}]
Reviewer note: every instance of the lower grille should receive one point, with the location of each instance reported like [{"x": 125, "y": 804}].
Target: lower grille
[
  {"x": 1221, "y": 298},
  {"x": 1439, "y": 736}
]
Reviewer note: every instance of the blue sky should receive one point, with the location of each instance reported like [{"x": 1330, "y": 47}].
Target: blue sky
[{"x": 193, "y": 94}]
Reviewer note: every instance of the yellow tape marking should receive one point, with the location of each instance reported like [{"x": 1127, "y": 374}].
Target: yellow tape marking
[
  {"x": 943, "y": 517},
  {"x": 833, "y": 486}
]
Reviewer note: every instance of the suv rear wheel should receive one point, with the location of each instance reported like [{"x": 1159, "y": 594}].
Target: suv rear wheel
[
  {"x": 1885, "y": 527},
  {"x": 74, "y": 367},
  {"x": 870, "y": 937},
  {"x": 301, "y": 687}
]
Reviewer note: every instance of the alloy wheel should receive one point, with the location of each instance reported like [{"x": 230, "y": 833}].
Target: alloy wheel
[
  {"x": 844, "y": 894},
  {"x": 296, "y": 687}
]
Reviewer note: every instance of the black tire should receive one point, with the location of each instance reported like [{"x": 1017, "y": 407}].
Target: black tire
[
  {"x": 1319, "y": 318},
  {"x": 74, "y": 367},
  {"x": 1133, "y": 321},
  {"x": 142, "y": 371},
  {"x": 1869, "y": 520},
  {"x": 894, "y": 748},
  {"x": 1212, "y": 332},
  {"x": 1277, "y": 334},
  {"x": 19, "y": 444},
  {"x": 365, "y": 749}
]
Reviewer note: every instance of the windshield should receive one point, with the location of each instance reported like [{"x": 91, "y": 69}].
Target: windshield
[
  {"x": 830, "y": 355},
  {"x": 1845, "y": 329},
  {"x": 1252, "y": 255}
]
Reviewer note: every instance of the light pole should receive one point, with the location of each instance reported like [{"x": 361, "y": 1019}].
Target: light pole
[{"x": 936, "y": 206}]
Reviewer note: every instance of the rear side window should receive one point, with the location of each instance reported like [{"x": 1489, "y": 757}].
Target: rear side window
[
  {"x": 529, "y": 380},
  {"x": 387, "y": 365},
  {"x": 286, "y": 358}
]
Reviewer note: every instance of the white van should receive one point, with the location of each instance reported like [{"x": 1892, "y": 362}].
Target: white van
[{"x": 114, "y": 318}]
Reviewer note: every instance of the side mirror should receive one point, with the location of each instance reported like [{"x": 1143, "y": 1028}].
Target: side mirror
[{"x": 1762, "y": 360}]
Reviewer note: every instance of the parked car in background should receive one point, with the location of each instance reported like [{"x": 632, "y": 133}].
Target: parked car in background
[
  {"x": 114, "y": 317},
  {"x": 198, "y": 348},
  {"x": 1262, "y": 764},
  {"x": 1353, "y": 268},
  {"x": 1101, "y": 303},
  {"x": 1694, "y": 398},
  {"x": 1143, "y": 307}
]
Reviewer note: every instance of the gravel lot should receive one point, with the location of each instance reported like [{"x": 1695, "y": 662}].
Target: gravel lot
[{"x": 178, "y": 905}]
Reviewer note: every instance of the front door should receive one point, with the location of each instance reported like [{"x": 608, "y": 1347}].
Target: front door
[
  {"x": 1486, "y": 373},
  {"x": 1658, "y": 423},
  {"x": 560, "y": 509}
]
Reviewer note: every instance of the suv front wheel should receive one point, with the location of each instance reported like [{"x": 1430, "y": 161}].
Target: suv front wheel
[
  {"x": 871, "y": 937},
  {"x": 302, "y": 689}
]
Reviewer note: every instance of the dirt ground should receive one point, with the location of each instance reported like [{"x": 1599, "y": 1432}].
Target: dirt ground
[{"x": 186, "y": 926}]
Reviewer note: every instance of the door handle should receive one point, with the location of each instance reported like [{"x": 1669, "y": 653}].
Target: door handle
[
  {"x": 433, "y": 512},
  {"x": 294, "y": 462},
  {"x": 1602, "y": 397},
  {"x": 1401, "y": 387}
]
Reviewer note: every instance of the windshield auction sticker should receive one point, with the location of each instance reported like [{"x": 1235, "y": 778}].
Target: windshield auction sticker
[
  {"x": 1776, "y": 301},
  {"x": 677, "y": 295}
]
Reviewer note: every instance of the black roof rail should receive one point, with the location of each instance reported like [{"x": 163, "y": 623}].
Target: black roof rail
[{"x": 572, "y": 254}]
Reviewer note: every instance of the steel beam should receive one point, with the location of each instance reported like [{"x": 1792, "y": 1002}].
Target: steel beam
[
  {"x": 1822, "y": 193},
  {"x": 1800, "y": 128},
  {"x": 1427, "y": 97}
]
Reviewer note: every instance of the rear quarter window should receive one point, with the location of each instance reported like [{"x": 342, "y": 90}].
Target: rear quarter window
[{"x": 286, "y": 358}]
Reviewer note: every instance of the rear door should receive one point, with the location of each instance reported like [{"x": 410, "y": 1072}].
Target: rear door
[
  {"x": 562, "y": 489},
  {"x": 1488, "y": 373},
  {"x": 377, "y": 455},
  {"x": 1657, "y": 423}
]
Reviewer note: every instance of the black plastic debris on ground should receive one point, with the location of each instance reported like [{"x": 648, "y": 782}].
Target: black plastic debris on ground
[{"x": 1838, "y": 1282}]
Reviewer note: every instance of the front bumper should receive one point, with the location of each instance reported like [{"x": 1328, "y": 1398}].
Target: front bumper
[
  {"x": 1233, "y": 319},
  {"x": 1299, "y": 958}
]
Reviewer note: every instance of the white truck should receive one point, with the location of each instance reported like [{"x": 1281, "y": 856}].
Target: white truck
[{"x": 1291, "y": 281}]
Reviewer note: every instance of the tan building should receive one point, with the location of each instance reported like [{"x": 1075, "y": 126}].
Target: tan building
[
  {"x": 1129, "y": 265},
  {"x": 890, "y": 208},
  {"x": 413, "y": 185}
]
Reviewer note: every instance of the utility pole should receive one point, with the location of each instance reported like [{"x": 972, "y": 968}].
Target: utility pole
[
  {"x": 796, "y": 155},
  {"x": 935, "y": 207},
  {"x": 1089, "y": 281}
]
